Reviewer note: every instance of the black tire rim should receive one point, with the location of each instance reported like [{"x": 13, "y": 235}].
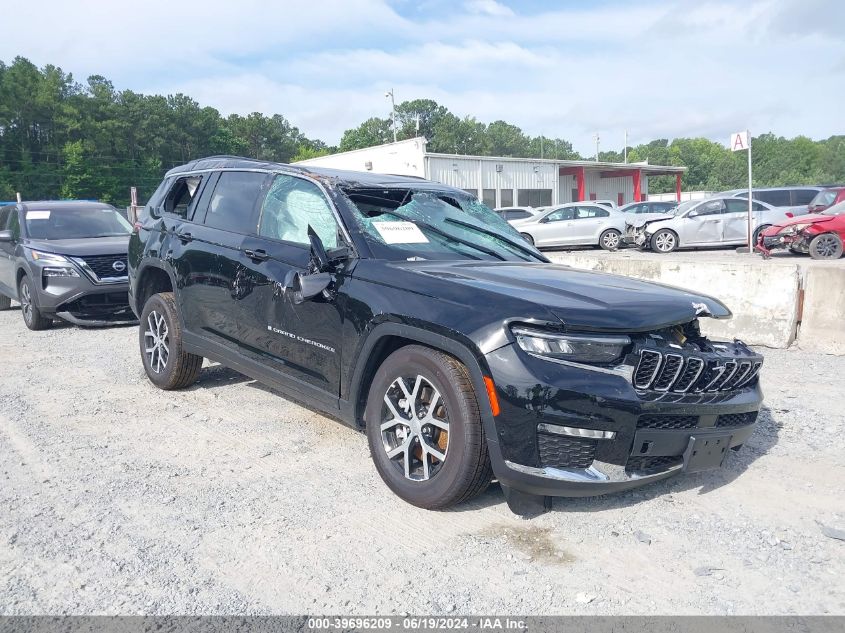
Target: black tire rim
[
  {"x": 415, "y": 428},
  {"x": 664, "y": 242},
  {"x": 610, "y": 239},
  {"x": 26, "y": 302},
  {"x": 826, "y": 246},
  {"x": 157, "y": 342}
]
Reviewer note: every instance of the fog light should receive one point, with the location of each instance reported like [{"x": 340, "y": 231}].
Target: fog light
[
  {"x": 572, "y": 431},
  {"x": 59, "y": 271}
]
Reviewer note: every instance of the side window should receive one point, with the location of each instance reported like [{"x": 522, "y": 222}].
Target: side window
[
  {"x": 803, "y": 196},
  {"x": 291, "y": 206},
  {"x": 181, "y": 195},
  {"x": 232, "y": 205},
  {"x": 518, "y": 215},
  {"x": 736, "y": 205},
  {"x": 592, "y": 212},
  {"x": 713, "y": 207},
  {"x": 566, "y": 213},
  {"x": 14, "y": 225},
  {"x": 757, "y": 206},
  {"x": 775, "y": 197}
]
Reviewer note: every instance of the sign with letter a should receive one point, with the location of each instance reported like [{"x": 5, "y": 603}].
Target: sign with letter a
[{"x": 739, "y": 140}]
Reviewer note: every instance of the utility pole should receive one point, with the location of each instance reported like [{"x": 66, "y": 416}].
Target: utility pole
[
  {"x": 625, "y": 148},
  {"x": 389, "y": 93},
  {"x": 541, "y": 146},
  {"x": 597, "y": 139},
  {"x": 18, "y": 194}
]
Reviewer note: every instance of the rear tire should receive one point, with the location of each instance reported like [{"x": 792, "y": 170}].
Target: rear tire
[
  {"x": 5, "y": 302},
  {"x": 32, "y": 316},
  {"x": 826, "y": 246},
  {"x": 430, "y": 393},
  {"x": 167, "y": 365},
  {"x": 527, "y": 237},
  {"x": 610, "y": 239}
]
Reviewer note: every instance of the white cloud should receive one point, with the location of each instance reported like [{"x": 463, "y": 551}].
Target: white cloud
[
  {"x": 657, "y": 69},
  {"x": 488, "y": 7}
]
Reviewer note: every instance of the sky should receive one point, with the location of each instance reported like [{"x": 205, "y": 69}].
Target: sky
[{"x": 565, "y": 69}]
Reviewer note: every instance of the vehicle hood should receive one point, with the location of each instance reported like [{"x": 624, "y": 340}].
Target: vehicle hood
[
  {"x": 811, "y": 218},
  {"x": 642, "y": 219},
  {"x": 581, "y": 299},
  {"x": 83, "y": 247}
]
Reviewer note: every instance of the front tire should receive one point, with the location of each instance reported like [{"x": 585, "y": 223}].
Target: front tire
[
  {"x": 826, "y": 246},
  {"x": 32, "y": 316},
  {"x": 664, "y": 241},
  {"x": 757, "y": 232},
  {"x": 424, "y": 429},
  {"x": 167, "y": 365},
  {"x": 527, "y": 237},
  {"x": 610, "y": 239}
]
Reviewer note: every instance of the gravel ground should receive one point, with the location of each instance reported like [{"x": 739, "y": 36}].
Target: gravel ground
[{"x": 118, "y": 498}]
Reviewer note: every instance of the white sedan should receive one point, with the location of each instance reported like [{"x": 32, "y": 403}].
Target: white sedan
[{"x": 575, "y": 224}]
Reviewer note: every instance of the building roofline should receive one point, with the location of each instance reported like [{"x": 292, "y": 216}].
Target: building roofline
[{"x": 563, "y": 163}]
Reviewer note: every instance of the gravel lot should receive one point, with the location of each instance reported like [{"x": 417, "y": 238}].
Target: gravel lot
[{"x": 118, "y": 498}]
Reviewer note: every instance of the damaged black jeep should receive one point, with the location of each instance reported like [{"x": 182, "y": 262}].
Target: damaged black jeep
[{"x": 409, "y": 310}]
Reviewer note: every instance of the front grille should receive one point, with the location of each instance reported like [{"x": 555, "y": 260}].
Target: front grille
[
  {"x": 103, "y": 265},
  {"x": 736, "y": 419},
  {"x": 667, "y": 422},
  {"x": 658, "y": 371},
  {"x": 559, "y": 451},
  {"x": 649, "y": 465}
]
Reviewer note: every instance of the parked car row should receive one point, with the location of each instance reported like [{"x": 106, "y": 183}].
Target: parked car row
[
  {"x": 663, "y": 227},
  {"x": 410, "y": 311}
]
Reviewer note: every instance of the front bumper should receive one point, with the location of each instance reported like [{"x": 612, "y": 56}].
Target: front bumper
[
  {"x": 82, "y": 302},
  {"x": 568, "y": 431},
  {"x": 796, "y": 241}
]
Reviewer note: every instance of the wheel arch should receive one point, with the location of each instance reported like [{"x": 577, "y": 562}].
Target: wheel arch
[
  {"x": 670, "y": 230},
  {"x": 151, "y": 278},
  {"x": 386, "y": 338}
]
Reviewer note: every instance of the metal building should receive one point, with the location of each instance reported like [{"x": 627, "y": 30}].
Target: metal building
[{"x": 503, "y": 182}]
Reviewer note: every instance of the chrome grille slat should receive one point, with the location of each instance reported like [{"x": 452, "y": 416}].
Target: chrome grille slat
[
  {"x": 739, "y": 376},
  {"x": 672, "y": 365},
  {"x": 643, "y": 375},
  {"x": 755, "y": 369},
  {"x": 683, "y": 385},
  {"x": 730, "y": 369}
]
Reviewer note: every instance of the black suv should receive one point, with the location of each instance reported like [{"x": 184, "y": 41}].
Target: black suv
[
  {"x": 65, "y": 259},
  {"x": 407, "y": 308}
]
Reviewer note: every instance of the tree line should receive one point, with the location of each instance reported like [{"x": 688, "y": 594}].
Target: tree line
[{"x": 63, "y": 139}]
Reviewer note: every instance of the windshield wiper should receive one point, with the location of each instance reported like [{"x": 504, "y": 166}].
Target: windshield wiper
[
  {"x": 506, "y": 240},
  {"x": 449, "y": 236}
]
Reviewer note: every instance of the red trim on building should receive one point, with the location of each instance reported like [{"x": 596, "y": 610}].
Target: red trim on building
[
  {"x": 638, "y": 185},
  {"x": 678, "y": 186},
  {"x": 620, "y": 199},
  {"x": 578, "y": 172}
]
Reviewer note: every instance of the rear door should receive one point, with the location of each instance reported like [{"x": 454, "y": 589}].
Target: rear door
[
  {"x": 301, "y": 340},
  {"x": 588, "y": 220},
  {"x": 7, "y": 254},
  {"x": 210, "y": 262},
  {"x": 735, "y": 223}
]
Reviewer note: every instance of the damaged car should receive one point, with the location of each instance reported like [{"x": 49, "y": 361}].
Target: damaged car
[
  {"x": 714, "y": 222},
  {"x": 820, "y": 235},
  {"x": 412, "y": 312},
  {"x": 65, "y": 259}
]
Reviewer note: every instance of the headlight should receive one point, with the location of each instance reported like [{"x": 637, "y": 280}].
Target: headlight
[
  {"x": 792, "y": 229},
  {"x": 59, "y": 271},
  {"x": 577, "y": 348},
  {"x": 51, "y": 258}
]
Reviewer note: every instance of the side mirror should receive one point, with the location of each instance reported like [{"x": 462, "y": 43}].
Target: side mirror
[
  {"x": 692, "y": 214},
  {"x": 5, "y": 236},
  {"x": 309, "y": 286}
]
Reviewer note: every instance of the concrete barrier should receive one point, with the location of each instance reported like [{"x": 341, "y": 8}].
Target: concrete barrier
[
  {"x": 763, "y": 298},
  {"x": 823, "y": 322}
]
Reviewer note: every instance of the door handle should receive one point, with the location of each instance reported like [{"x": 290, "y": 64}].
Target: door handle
[
  {"x": 185, "y": 237},
  {"x": 259, "y": 254}
]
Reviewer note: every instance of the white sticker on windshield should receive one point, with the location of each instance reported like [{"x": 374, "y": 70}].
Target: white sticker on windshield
[
  {"x": 37, "y": 215},
  {"x": 400, "y": 233}
]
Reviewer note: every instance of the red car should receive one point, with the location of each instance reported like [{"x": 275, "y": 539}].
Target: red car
[
  {"x": 819, "y": 234},
  {"x": 826, "y": 199}
]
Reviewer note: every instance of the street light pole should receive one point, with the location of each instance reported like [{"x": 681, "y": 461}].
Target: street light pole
[{"x": 389, "y": 93}]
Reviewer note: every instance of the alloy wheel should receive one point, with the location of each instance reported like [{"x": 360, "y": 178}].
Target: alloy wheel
[
  {"x": 26, "y": 302},
  {"x": 826, "y": 246},
  {"x": 664, "y": 242},
  {"x": 415, "y": 427},
  {"x": 156, "y": 342},
  {"x": 611, "y": 239}
]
